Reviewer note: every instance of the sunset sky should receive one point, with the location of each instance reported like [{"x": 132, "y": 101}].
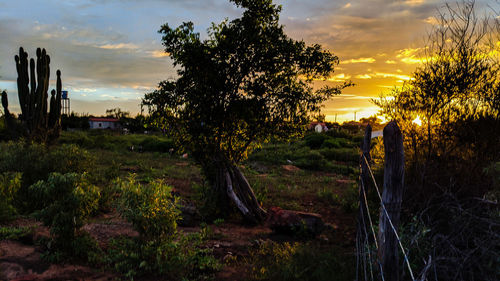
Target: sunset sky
[{"x": 110, "y": 53}]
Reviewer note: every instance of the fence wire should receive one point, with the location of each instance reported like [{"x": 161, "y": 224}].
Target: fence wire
[{"x": 363, "y": 220}]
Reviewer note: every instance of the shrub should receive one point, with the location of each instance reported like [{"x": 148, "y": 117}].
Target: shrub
[
  {"x": 151, "y": 209},
  {"x": 153, "y": 212},
  {"x": 341, "y": 154},
  {"x": 338, "y": 133},
  {"x": 311, "y": 160},
  {"x": 183, "y": 259},
  {"x": 156, "y": 144},
  {"x": 36, "y": 162},
  {"x": 331, "y": 143},
  {"x": 15, "y": 233},
  {"x": 315, "y": 140},
  {"x": 9, "y": 185},
  {"x": 275, "y": 261},
  {"x": 67, "y": 200}
]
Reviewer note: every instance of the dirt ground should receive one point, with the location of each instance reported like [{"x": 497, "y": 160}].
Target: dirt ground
[{"x": 231, "y": 240}]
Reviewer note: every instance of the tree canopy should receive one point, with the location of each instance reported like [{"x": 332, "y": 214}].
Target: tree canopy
[{"x": 246, "y": 83}]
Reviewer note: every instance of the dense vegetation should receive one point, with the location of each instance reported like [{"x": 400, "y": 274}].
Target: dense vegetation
[{"x": 452, "y": 159}]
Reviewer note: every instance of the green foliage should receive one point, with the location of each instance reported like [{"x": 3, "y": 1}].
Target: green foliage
[
  {"x": 9, "y": 185},
  {"x": 348, "y": 199},
  {"x": 14, "y": 233},
  {"x": 344, "y": 154},
  {"x": 36, "y": 162},
  {"x": 206, "y": 202},
  {"x": 288, "y": 262},
  {"x": 246, "y": 83},
  {"x": 339, "y": 160},
  {"x": 102, "y": 139},
  {"x": 315, "y": 140},
  {"x": 153, "y": 212},
  {"x": 218, "y": 222},
  {"x": 331, "y": 143},
  {"x": 152, "y": 209},
  {"x": 66, "y": 200},
  {"x": 182, "y": 259}
]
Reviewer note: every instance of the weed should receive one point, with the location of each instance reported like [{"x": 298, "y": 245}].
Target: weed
[
  {"x": 275, "y": 261},
  {"x": 66, "y": 201},
  {"x": 14, "y": 233},
  {"x": 151, "y": 209}
]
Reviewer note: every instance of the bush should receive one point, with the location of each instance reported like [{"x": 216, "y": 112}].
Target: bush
[
  {"x": 15, "y": 233},
  {"x": 274, "y": 261},
  {"x": 9, "y": 185},
  {"x": 315, "y": 140},
  {"x": 338, "y": 133},
  {"x": 183, "y": 259},
  {"x": 117, "y": 142},
  {"x": 331, "y": 143},
  {"x": 36, "y": 162},
  {"x": 153, "y": 212},
  {"x": 66, "y": 200},
  {"x": 311, "y": 160},
  {"x": 350, "y": 155},
  {"x": 151, "y": 209}
]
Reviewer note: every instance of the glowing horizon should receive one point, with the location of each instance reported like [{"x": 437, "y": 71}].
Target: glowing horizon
[{"x": 110, "y": 54}]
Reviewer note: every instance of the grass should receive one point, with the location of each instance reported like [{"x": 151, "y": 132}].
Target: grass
[{"x": 319, "y": 186}]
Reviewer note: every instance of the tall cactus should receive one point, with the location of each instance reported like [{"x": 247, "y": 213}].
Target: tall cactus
[{"x": 37, "y": 124}]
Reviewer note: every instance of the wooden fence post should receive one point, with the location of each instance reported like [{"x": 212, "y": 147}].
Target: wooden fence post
[{"x": 391, "y": 198}]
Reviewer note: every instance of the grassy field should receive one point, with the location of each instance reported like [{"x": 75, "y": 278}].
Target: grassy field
[{"x": 317, "y": 174}]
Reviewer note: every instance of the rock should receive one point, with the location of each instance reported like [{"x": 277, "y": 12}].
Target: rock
[{"x": 294, "y": 222}]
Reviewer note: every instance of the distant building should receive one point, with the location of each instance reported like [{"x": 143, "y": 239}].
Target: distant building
[
  {"x": 104, "y": 123},
  {"x": 318, "y": 127}
]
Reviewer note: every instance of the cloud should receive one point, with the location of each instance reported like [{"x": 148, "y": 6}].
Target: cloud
[
  {"x": 119, "y": 46},
  {"x": 339, "y": 78},
  {"x": 359, "y": 60},
  {"x": 401, "y": 77},
  {"x": 364, "y": 76}
]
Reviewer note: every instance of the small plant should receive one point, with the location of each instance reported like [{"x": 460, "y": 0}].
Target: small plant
[
  {"x": 218, "y": 222},
  {"x": 285, "y": 261},
  {"x": 182, "y": 259},
  {"x": 152, "y": 209},
  {"x": 14, "y": 233},
  {"x": 36, "y": 162},
  {"x": 67, "y": 200},
  {"x": 9, "y": 185}
]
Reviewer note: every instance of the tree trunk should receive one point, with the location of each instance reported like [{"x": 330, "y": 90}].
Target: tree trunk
[{"x": 232, "y": 184}]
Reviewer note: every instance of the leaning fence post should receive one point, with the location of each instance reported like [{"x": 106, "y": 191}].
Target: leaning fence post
[{"x": 391, "y": 199}]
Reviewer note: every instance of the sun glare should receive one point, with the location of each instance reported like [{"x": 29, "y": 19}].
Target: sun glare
[{"x": 417, "y": 121}]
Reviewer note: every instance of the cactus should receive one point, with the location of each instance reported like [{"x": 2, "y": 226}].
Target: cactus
[{"x": 38, "y": 124}]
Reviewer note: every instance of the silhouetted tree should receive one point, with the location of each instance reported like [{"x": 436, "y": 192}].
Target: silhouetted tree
[
  {"x": 455, "y": 93},
  {"x": 247, "y": 82}
]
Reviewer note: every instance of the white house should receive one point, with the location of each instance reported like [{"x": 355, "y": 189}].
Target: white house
[{"x": 104, "y": 123}]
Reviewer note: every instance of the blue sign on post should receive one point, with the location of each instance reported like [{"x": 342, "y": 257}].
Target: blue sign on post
[{"x": 64, "y": 94}]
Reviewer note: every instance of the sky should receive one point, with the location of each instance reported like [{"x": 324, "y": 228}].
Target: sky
[{"x": 110, "y": 53}]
